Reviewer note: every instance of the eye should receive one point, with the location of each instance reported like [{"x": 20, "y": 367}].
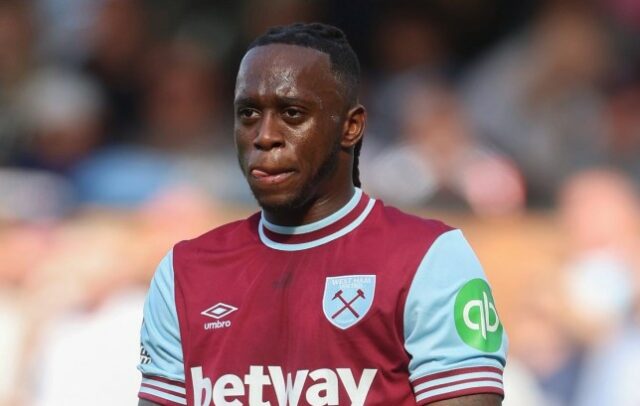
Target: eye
[
  {"x": 247, "y": 113},
  {"x": 292, "y": 113}
]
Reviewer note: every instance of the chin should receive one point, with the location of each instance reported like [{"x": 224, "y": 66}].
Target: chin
[{"x": 279, "y": 202}]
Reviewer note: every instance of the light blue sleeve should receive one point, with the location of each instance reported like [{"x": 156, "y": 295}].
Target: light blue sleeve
[
  {"x": 452, "y": 331},
  {"x": 161, "y": 350}
]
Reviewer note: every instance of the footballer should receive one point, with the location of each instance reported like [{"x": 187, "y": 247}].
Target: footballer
[{"x": 326, "y": 296}]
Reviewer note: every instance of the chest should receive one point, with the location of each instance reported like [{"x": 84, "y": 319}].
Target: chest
[
  {"x": 291, "y": 303},
  {"x": 329, "y": 320}
]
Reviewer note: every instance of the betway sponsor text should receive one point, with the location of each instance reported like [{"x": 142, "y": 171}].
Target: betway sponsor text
[{"x": 323, "y": 391}]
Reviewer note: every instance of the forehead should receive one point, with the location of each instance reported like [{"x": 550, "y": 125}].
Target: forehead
[{"x": 286, "y": 71}]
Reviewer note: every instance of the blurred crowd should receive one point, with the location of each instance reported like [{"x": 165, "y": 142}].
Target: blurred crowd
[{"x": 116, "y": 142}]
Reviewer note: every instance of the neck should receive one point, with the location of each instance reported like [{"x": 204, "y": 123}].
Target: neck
[{"x": 315, "y": 209}]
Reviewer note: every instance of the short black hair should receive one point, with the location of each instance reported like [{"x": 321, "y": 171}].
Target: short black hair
[
  {"x": 333, "y": 42},
  {"x": 324, "y": 38}
]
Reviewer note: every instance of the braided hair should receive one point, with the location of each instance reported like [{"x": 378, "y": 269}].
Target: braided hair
[{"x": 333, "y": 42}]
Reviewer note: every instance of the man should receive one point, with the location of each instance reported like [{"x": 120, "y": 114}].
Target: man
[{"x": 326, "y": 297}]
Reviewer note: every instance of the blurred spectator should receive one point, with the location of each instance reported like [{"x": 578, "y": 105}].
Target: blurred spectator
[
  {"x": 34, "y": 195},
  {"x": 610, "y": 375},
  {"x": 406, "y": 23},
  {"x": 600, "y": 210},
  {"x": 92, "y": 281},
  {"x": 623, "y": 126},
  {"x": 16, "y": 38},
  {"x": 186, "y": 140},
  {"x": 438, "y": 161},
  {"x": 182, "y": 103},
  {"x": 64, "y": 110},
  {"x": 13, "y": 326},
  {"x": 17, "y": 59},
  {"x": 626, "y": 11},
  {"x": 187, "y": 119},
  {"x": 537, "y": 97},
  {"x": 122, "y": 176},
  {"x": 544, "y": 346},
  {"x": 87, "y": 284},
  {"x": 401, "y": 67},
  {"x": 259, "y": 15},
  {"x": 62, "y": 23},
  {"x": 118, "y": 44},
  {"x": 22, "y": 248},
  {"x": 82, "y": 353}
]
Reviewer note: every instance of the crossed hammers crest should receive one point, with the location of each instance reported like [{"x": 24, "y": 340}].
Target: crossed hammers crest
[{"x": 347, "y": 305}]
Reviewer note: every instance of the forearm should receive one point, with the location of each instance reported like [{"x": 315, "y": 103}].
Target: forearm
[{"x": 143, "y": 402}]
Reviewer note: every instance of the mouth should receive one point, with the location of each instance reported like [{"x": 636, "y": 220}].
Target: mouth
[{"x": 266, "y": 176}]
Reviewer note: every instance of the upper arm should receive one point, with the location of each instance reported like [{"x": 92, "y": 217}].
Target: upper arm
[
  {"x": 161, "y": 356},
  {"x": 471, "y": 400},
  {"x": 452, "y": 332}
]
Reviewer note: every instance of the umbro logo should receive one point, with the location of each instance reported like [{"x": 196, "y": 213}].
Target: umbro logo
[{"x": 218, "y": 311}]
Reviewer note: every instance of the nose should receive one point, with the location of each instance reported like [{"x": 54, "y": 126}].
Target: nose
[{"x": 269, "y": 135}]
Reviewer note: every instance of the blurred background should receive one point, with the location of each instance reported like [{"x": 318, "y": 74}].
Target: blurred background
[{"x": 517, "y": 121}]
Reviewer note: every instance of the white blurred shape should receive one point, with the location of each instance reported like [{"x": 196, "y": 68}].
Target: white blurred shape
[
  {"x": 12, "y": 326},
  {"x": 33, "y": 195},
  {"x": 92, "y": 357},
  {"x": 599, "y": 287},
  {"x": 59, "y": 98},
  {"x": 401, "y": 176},
  {"x": 610, "y": 373},
  {"x": 520, "y": 386}
]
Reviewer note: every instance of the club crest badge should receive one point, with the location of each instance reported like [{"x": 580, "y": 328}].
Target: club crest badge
[{"x": 347, "y": 299}]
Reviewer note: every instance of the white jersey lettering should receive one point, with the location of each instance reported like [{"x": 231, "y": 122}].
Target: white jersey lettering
[
  {"x": 357, "y": 393},
  {"x": 328, "y": 385},
  {"x": 256, "y": 380},
  {"x": 200, "y": 384},
  {"x": 293, "y": 389},
  {"x": 324, "y": 389},
  {"x": 227, "y": 385}
]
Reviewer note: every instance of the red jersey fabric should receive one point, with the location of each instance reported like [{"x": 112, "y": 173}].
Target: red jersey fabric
[{"x": 311, "y": 315}]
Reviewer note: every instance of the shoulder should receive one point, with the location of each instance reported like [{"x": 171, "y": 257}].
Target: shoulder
[
  {"x": 409, "y": 221},
  {"x": 228, "y": 236},
  {"x": 409, "y": 229}
]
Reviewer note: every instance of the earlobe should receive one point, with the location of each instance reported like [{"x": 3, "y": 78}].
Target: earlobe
[{"x": 354, "y": 126}]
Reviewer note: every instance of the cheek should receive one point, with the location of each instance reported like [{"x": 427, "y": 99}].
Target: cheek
[
  {"x": 314, "y": 153},
  {"x": 242, "y": 142},
  {"x": 317, "y": 135},
  {"x": 309, "y": 147}
]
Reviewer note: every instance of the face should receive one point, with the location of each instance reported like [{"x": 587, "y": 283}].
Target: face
[{"x": 290, "y": 121}]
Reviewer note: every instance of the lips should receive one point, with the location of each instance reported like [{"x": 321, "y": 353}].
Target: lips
[{"x": 270, "y": 176}]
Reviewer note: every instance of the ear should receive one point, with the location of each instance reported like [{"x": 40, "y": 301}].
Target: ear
[{"x": 353, "y": 126}]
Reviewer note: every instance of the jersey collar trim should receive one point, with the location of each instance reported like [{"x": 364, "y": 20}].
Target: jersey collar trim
[
  {"x": 318, "y": 225},
  {"x": 321, "y": 232}
]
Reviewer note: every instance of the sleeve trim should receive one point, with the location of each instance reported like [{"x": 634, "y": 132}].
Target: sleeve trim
[
  {"x": 165, "y": 391},
  {"x": 161, "y": 397},
  {"x": 170, "y": 381},
  {"x": 179, "y": 390},
  {"x": 458, "y": 382},
  {"x": 457, "y": 372}
]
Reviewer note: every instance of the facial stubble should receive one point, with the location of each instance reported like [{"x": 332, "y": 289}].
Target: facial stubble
[{"x": 304, "y": 196}]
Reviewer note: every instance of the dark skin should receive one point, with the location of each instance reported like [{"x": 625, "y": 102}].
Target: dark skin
[{"x": 295, "y": 131}]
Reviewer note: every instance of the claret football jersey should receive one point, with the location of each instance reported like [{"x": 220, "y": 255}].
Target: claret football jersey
[{"x": 369, "y": 306}]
